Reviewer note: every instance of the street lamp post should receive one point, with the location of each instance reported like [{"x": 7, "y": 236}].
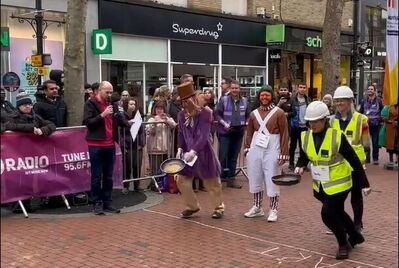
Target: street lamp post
[
  {"x": 39, "y": 26},
  {"x": 39, "y": 33},
  {"x": 355, "y": 54}
]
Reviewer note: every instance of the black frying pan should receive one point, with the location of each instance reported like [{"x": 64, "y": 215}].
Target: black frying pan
[{"x": 286, "y": 179}]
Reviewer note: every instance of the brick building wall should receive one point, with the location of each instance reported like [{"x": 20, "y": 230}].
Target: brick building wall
[
  {"x": 302, "y": 12},
  {"x": 206, "y": 5}
]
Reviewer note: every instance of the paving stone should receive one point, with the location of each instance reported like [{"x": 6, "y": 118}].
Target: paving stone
[{"x": 154, "y": 235}]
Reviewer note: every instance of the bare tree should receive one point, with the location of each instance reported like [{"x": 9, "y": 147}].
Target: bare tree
[
  {"x": 331, "y": 49},
  {"x": 74, "y": 60}
]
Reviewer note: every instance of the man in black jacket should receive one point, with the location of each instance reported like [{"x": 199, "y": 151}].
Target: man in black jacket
[
  {"x": 25, "y": 120},
  {"x": 284, "y": 100},
  {"x": 297, "y": 122},
  {"x": 7, "y": 109},
  {"x": 51, "y": 107},
  {"x": 101, "y": 134}
]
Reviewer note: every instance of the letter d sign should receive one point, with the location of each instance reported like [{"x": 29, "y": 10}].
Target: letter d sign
[{"x": 101, "y": 41}]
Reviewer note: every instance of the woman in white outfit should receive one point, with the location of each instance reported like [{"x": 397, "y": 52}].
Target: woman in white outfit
[{"x": 266, "y": 147}]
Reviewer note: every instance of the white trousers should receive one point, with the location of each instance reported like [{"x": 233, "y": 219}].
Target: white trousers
[{"x": 262, "y": 165}]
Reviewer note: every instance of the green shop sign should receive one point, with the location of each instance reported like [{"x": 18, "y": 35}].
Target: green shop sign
[
  {"x": 101, "y": 41},
  {"x": 275, "y": 33},
  {"x": 5, "y": 39},
  {"x": 313, "y": 42}
]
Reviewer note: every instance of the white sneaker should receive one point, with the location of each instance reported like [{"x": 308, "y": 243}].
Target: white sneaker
[
  {"x": 272, "y": 215},
  {"x": 254, "y": 212}
]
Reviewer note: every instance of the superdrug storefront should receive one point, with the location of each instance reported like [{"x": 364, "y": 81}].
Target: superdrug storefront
[{"x": 152, "y": 46}]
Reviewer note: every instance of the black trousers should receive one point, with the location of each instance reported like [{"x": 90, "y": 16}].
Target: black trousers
[
  {"x": 334, "y": 216},
  {"x": 295, "y": 138},
  {"x": 132, "y": 159},
  {"x": 357, "y": 203}
]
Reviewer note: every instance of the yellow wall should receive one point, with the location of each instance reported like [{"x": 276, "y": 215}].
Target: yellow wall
[
  {"x": 344, "y": 74},
  {"x": 344, "y": 70}
]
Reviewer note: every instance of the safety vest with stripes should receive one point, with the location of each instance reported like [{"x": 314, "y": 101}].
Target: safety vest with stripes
[
  {"x": 353, "y": 133},
  {"x": 339, "y": 169}
]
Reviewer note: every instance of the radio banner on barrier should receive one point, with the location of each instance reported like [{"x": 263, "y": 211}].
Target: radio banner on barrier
[{"x": 35, "y": 166}]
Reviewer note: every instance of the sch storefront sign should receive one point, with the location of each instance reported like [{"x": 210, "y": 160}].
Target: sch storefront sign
[
  {"x": 313, "y": 42},
  {"x": 144, "y": 20},
  {"x": 47, "y": 166},
  {"x": 310, "y": 41}
]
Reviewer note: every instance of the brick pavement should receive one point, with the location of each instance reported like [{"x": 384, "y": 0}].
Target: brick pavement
[{"x": 156, "y": 237}]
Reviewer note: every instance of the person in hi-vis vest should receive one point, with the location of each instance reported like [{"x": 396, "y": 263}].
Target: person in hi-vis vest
[
  {"x": 332, "y": 160},
  {"x": 356, "y": 129}
]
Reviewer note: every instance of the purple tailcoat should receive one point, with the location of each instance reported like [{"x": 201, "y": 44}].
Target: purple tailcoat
[{"x": 197, "y": 138}]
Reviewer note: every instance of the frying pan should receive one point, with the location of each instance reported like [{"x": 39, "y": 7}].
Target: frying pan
[
  {"x": 286, "y": 179},
  {"x": 173, "y": 166}
]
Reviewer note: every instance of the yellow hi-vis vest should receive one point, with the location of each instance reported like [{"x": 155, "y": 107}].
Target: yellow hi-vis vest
[
  {"x": 353, "y": 133},
  {"x": 339, "y": 169}
]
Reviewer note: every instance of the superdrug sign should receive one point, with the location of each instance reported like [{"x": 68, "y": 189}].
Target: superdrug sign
[{"x": 151, "y": 21}]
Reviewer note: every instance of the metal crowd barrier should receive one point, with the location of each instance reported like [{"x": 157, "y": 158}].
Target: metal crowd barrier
[
  {"x": 141, "y": 159},
  {"x": 144, "y": 162}
]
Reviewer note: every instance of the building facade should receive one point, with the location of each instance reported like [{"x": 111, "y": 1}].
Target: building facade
[
  {"x": 16, "y": 65},
  {"x": 371, "y": 30},
  {"x": 155, "y": 42}
]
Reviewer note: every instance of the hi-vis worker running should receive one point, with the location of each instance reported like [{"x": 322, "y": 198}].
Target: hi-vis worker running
[{"x": 332, "y": 160}]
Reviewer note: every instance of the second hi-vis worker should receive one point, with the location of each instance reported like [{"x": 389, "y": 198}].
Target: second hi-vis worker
[{"x": 355, "y": 127}]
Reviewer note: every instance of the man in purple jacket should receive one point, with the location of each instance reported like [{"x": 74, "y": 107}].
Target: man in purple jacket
[{"x": 194, "y": 125}]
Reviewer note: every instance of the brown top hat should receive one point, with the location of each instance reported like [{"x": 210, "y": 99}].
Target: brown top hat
[{"x": 185, "y": 90}]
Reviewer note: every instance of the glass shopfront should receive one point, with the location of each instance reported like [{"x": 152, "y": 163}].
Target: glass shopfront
[
  {"x": 295, "y": 68},
  {"x": 374, "y": 28},
  {"x": 207, "y": 47},
  {"x": 299, "y": 60}
]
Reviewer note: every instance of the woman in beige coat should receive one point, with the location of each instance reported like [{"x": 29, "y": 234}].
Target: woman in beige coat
[
  {"x": 159, "y": 133},
  {"x": 391, "y": 133}
]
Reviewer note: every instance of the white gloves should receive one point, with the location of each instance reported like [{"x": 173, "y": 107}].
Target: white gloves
[
  {"x": 179, "y": 153},
  {"x": 299, "y": 170},
  {"x": 189, "y": 156}
]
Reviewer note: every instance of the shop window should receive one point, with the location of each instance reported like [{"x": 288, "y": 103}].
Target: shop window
[
  {"x": 136, "y": 77},
  {"x": 251, "y": 79},
  {"x": 237, "y": 7}
]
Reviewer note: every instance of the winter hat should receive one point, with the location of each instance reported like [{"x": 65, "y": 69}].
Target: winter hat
[
  {"x": 115, "y": 97},
  {"x": 23, "y": 98},
  {"x": 56, "y": 75},
  {"x": 268, "y": 89}
]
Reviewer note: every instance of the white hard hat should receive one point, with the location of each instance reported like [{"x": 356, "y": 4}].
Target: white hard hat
[
  {"x": 316, "y": 110},
  {"x": 343, "y": 92}
]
